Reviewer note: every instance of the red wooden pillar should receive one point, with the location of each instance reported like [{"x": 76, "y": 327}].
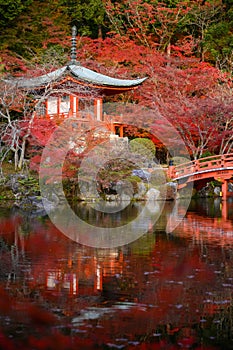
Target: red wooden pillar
[
  {"x": 224, "y": 189},
  {"x": 224, "y": 210},
  {"x": 71, "y": 110},
  {"x": 75, "y": 106},
  {"x": 58, "y": 106},
  {"x": 73, "y": 283},
  {"x": 121, "y": 130},
  {"x": 98, "y": 279},
  {"x": 224, "y": 181},
  {"x": 171, "y": 171},
  {"x": 98, "y": 105},
  {"x": 113, "y": 130}
]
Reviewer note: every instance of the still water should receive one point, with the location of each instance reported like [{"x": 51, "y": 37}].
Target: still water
[{"x": 162, "y": 291}]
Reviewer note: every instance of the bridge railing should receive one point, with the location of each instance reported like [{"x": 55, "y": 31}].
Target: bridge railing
[{"x": 195, "y": 166}]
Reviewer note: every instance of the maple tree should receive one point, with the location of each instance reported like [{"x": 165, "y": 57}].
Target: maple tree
[
  {"x": 40, "y": 26},
  {"x": 183, "y": 91},
  {"x": 15, "y": 110},
  {"x": 146, "y": 22},
  {"x": 222, "y": 111},
  {"x": 200, "y": 20},
  {"x": 191, "y": 98},
  {"x": 188, "y": 93},
  {"x": 161, "y": 24},
  {"x": 21, "y": 126}
]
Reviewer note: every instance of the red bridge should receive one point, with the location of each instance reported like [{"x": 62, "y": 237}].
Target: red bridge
[{"x": 219, "y": 167}]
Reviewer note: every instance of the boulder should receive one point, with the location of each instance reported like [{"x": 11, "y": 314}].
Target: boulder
[
  {"x": 152, "y": 194},
  {"x": 171, "y": 191}
]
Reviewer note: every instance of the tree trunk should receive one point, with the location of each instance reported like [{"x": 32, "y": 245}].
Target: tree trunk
[
  {"x": 100, "y": 33},
  {"x": 21, "y": 159},
  {"x": 16, "y": 158}
]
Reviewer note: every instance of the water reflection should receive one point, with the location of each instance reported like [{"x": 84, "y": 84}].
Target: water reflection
[
  {"x": 101, "y": 229},
  {"x": 163, "y": 291},
  {"x": 210, "y": 221}
]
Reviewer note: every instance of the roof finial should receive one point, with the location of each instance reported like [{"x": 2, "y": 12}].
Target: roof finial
[{"x": 73, "y": 55}]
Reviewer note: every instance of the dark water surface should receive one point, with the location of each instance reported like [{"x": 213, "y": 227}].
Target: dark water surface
[{"x": 163, "y": 291}]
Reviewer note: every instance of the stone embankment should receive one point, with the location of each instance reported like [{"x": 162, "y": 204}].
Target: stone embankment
[{"x": 24, "y": 192}]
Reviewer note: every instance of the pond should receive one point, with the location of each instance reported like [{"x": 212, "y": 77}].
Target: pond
[{"x": 163, "y": 290}]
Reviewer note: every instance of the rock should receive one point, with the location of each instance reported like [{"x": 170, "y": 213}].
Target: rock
[
  {"x": 14, "y": 184},
  {"x": 171, "y": 191},
  {"x": 141, "y": 189},
  {"x": 124, "y": 197},
  {"x": 125, "y": 188},
  {"x": 206, "y": 191},
  {"x": 111, "y": 198},
  {"x": 142, "y": 174},
  {"x": 217, "y": 191},
  {"x": 168, "y": 191},
  {"x": 48, "y": 205},
  {"x": 209, "y": 191},
  {"x": 230, "y": 187},
  {"x": 87, "y": 191},
  {"x": 152, "y": 194}
]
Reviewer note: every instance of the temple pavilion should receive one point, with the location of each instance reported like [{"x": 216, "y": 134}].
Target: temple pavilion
[{"x": 75, "y": 91}]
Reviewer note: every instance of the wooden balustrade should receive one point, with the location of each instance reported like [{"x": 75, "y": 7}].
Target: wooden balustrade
[
  {"x": 219, "y": 167},
  {"x": 195, "y": 166}
]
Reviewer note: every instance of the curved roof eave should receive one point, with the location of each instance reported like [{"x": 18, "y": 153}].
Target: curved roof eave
[
  {"x": 80, "y": 73},
  {"x": 41, "y": 80},
  {"x": 92, "y": 77}
]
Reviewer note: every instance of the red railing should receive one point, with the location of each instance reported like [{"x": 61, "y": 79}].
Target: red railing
[{"x": 214, "y": 162}]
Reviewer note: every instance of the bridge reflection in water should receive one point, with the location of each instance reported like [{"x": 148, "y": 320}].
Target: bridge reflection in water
[
  {"x": 90, "y": 274},
  {"x": 216, "y": 226}
]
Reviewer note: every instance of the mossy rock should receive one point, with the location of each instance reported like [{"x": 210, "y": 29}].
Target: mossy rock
[{"x": 6, "y": 193}]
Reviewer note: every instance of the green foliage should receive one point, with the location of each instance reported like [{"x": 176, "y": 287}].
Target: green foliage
[
  {"x": 158, "y": 178},
  {"x": 180, "y": 160},
  {"x": 143, "y": 147},
  {"x": 207, "y": 154},
  {"x": 55, "y": 55},
  {"x": 219, "y": 43},
  {"x": 1, "y": 67},
  {"x": 117, "y": 170},
  {"x": 6, "y": 194},
  {"x": 87, "y": 15},
  {"x": 29, "y": 185},
  {"x": 10, "y": 10},
  {"x": 29, "y": 28},
  {"x": 35, "y": 28}
]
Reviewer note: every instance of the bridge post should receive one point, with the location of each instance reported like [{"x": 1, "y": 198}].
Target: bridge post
[
  {"x": 171, "y": 170},
  {"x": 222, "y": 161},
  {"x": 224, "y": 189},
  {"x": 196, "y": 167},
  {"x": 224, "y": 210},
  {"x": 224, "y": 181}
]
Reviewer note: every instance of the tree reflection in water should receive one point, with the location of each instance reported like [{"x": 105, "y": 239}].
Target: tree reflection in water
[{"x": 163, "y": 291}]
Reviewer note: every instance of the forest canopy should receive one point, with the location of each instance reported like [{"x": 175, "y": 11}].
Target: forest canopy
[
  {"x": 183, "y": 47},
  {"x": 202, "y": 29}
]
